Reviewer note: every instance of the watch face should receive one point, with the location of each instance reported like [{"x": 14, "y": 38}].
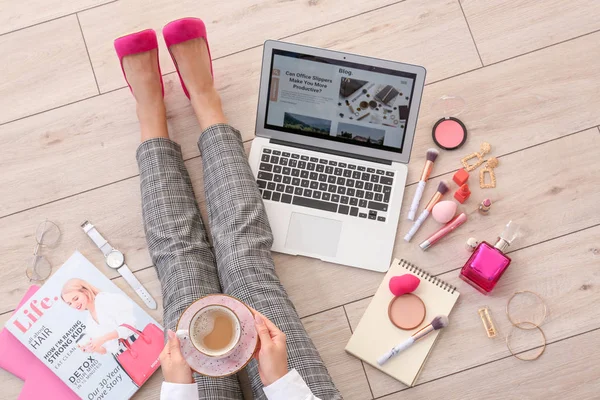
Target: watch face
[{"x": 115, "y": 259}]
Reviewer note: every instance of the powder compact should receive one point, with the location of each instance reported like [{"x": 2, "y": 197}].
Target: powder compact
[
  {"x": 407, "y": 311},
  {"x": 449, "y": 133}
]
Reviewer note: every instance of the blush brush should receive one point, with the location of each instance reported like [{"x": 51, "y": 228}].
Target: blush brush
[
  {"x": 439, "y": 322},
  {"x": 441, "y": 190},
  {"x": 432, "y": 155}
]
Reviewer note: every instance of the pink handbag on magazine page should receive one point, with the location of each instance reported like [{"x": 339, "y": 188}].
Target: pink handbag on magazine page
[{"x": 140, "y": 360}]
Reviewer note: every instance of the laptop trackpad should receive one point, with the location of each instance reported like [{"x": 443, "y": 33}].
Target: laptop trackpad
[{"x": 313, "y": 235}]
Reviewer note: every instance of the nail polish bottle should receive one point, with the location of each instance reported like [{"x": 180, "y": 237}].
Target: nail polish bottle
[
  {"x": 463, "y": 193},
  {"x": 487, "y": 263}
]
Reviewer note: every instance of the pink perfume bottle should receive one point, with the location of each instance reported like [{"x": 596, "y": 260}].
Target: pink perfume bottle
[{"x": 487, "y": 263}]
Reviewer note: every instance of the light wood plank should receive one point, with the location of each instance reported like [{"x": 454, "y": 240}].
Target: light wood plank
[
  {"x": 20, "y": 14},
  {"x": 358, "y": 36},
  {"x": 11, "y": 385},
  {"x": 517, "y": 104},
  {"x": 521, "y": 186},
  {"x": 329, "y": 331},
  {"x": 570, "y": 296},
  {"x": 538, "y": 107},
  {"x": 545, "y": 198},
  {"x": 43, "y": 66},
  {"x": 533, "y": 189},
  {"x": 101, "y": 134},
  {"x": 567, "y": 370},
  {"x": 428, "y": 33},
  {"x": 228, "y": 25},
  {"x": 115, "y": 210},
  {"x": 504, "y": 29},
  {"x": 121, "y": 225}
]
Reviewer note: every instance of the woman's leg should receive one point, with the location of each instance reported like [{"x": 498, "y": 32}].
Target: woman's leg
[
  {"x": 176, "y": 237},
  {"x": 241, "y": 234}
]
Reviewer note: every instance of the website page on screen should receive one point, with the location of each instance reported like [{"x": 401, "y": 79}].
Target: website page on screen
[{"x": 338, "y": 100}]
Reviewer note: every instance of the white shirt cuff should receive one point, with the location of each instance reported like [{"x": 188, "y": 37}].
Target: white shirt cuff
[
  {"x": 178, "y": 391},
  {"x": 291, "y": 386}
]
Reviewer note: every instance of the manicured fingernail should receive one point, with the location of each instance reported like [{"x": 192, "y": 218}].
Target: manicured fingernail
[
  {"x": 258, "y": 319},
  {"x": 170, "y": 334}
]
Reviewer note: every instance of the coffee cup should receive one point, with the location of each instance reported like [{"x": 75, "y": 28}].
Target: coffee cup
[{"x": 214, "y": 331}]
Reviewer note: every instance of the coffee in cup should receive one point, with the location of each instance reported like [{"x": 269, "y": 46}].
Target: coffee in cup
[{"x": 214, "y": 331}]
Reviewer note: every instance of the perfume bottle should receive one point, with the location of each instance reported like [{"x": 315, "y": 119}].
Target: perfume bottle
[{"x": 487, "y": 263}]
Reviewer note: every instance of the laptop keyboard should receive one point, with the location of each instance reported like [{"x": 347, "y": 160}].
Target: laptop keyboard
[{"x": 323, "y": 184}]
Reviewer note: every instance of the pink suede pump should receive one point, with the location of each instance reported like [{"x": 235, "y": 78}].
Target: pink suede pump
[
  {"x": 139, "y": 42},
  {"x": 182, "y": 30}
]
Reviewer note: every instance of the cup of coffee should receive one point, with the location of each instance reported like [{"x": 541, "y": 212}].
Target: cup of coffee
[{"x": 214, "y": 331}]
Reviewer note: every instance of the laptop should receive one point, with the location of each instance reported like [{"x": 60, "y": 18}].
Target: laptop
[{"x": 334, "y": 132}]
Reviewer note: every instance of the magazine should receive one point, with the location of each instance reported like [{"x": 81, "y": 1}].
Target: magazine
[{"x": 89, "y": 333}]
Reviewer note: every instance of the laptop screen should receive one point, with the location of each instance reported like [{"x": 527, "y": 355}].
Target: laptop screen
[{"x": 338, "y": 100}]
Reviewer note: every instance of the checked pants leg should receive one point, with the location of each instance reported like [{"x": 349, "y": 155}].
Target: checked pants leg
[
  {"x": 178, "y": 244},
  {"x": 242, "y": 240}
]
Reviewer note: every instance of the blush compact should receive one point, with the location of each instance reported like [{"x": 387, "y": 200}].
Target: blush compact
[
  {"x": 449, "y": 133},
  {"x": 407, "y": 311}
]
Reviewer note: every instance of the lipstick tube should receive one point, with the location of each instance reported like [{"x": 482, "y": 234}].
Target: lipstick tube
[{"x": 445, "y": 230}]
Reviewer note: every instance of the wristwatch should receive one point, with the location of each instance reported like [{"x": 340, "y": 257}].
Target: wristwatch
[{"x": 116, "y": 260}]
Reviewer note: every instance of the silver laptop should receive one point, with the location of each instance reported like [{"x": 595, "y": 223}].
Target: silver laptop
[{"x": 334, "y": 133}]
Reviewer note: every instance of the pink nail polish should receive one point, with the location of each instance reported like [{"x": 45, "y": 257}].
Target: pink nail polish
[{"x": 488, "y": 263}]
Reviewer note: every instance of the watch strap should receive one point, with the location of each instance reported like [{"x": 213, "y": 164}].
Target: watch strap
[
  {"x": 97, "y": 238},
  {"x": 137, "y": 286}
]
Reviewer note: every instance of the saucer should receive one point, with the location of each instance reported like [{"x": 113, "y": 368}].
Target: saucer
[{"x": 240, "y": 356}]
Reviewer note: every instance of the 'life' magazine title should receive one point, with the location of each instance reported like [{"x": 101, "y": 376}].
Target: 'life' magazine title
[{"x": 89, "y": 333}]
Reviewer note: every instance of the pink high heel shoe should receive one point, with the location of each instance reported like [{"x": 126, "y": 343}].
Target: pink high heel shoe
[
  {"x": 138, "y": 42},
  {"x": 182, "y": 30}
]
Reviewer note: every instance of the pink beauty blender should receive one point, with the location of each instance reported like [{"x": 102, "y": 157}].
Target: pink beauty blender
[
  {"x": 444, "y": 211},
  {"x": 403, "y": 284}
]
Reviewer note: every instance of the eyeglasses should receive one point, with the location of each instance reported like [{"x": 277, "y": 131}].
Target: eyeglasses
[{"x": 39, "y": 269}]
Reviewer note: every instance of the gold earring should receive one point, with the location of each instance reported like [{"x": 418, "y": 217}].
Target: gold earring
[
  {"x": 489, "y": 168},
  {"x": 485, "y": 148}
]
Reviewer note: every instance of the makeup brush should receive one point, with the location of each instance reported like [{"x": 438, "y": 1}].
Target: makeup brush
[
  {"x": 439, "y": 322},
  {"x": 441, "y": 190},
  {"x": 432, "y": 155}
]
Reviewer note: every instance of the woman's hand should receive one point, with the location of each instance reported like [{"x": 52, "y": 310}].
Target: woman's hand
[
  {"x": 95, "y": 346},
  {"x": 175, "y": 368},
  {"x": 271, "y": 354}
]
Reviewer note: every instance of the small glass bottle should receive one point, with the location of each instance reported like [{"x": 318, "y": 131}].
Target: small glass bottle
[{"x": 486, "y": 265}]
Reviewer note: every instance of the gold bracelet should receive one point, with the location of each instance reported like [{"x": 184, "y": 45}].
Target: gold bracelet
[
  {"x": 520, "y": 324},
  {"x": 533, "y": 326}
]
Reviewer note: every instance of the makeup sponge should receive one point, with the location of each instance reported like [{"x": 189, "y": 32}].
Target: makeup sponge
[
  {"x": 403, "y": 284},
  {"x": 444, "y": 211}
]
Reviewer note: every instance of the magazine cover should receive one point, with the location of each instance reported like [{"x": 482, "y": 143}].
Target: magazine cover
[{"x": 89, "y": 333}]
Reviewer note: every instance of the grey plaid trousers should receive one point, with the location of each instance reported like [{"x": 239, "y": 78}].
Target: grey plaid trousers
[{"x": 240, "y": 263}]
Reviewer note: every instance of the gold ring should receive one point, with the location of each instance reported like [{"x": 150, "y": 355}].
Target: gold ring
[
  {"x": 520, "y": 324},
  {"x": 519, "y": 327}
]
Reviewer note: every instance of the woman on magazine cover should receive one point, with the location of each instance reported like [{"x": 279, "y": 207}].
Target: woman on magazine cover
[
  {"x": 106, "y": 312},
  {"x": 239, "y": 261}
]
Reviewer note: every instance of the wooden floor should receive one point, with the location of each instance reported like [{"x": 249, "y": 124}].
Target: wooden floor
[{"x": 529, "y": 71}]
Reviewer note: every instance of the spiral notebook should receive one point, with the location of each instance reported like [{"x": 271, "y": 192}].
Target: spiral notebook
[{"x": 375, "y": 334}]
